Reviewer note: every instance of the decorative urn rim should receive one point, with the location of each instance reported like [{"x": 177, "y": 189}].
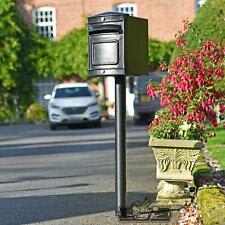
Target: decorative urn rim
[{"x": 156, "y": 142}]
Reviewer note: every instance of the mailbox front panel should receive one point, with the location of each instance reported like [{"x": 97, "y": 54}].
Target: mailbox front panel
[{"x": 106, "y": 53}]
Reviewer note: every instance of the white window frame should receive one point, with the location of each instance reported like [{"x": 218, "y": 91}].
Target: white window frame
[
  {"x": 44, "y": 19},
  {"x": 199, "y": 4},
  {"x": 129, "y": 8}
]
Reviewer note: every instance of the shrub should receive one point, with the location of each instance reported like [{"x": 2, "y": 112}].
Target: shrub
[
  {"x": 212, "y": 203},
  {"x": 159, "y": 51},
  {"x": 7, "y": 115},
  {"x": 204, "y": 29},
  {"x": 71, "y": 62},
  {"x": 211, "y": 28},
  {"x": 103, "y": 106},
  {"x": 166, "y": 126},
  {"x": 36, "y": 113},
  {"x": 188, "y": 90}
]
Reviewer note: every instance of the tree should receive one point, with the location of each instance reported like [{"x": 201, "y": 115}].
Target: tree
[
  {"x": 207, "y": 25},
  {"x": 11, "y": 33},
  {"x": 159, "y": 51},
  {"x": 71, "y": 55},
  {"x": 24, "y": 55},
  {"x": 35, "y": 60}
]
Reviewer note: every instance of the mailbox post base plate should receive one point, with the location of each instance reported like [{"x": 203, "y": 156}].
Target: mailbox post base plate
[{"x": 147, "y": 212}]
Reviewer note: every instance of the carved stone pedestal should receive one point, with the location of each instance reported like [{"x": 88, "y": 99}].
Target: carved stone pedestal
[{"x": 175, "y": 162}]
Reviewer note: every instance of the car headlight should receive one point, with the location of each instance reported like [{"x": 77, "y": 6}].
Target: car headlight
[
  {"x": 52, "y": 105},
  {"x": 93, "y": 104}
]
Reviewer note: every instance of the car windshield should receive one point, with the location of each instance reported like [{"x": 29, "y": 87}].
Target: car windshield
[{"x": 72, "y": 92}]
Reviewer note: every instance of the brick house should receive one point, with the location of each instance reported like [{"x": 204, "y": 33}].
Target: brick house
[
  {"x": 56, "y": 18},
  {"x": 165, "y": 17}
]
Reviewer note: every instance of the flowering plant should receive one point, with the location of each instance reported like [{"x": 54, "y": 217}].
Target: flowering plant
[
  {"x": 188, "y": 92},
  {"x": 167, "y": 126}
]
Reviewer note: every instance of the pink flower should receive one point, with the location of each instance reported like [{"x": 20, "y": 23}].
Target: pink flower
[
  {"x": 151, "y": 91},
  {"x": 214, "y": 122},
  {"x": 211, "y": 57},
  {"x": 186, "y": 25},
  {"x": 180, "y": 42},
  {"x": 163, "y": 66},
  {"x": 220, "y": 73},
  {"x": 202, "y": 126},
  {"x": 222, "y": 108}
]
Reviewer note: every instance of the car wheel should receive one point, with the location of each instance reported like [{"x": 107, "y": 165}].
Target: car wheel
[{"x": 52, "y": 126}]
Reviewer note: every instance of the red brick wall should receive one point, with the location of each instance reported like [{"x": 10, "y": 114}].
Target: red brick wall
[
  {"x": 165, "y": 16},
  {"x": 69, "y": 13}
]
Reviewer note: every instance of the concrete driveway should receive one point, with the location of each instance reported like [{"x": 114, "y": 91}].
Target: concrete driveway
[{"x": 67, "y": 176}]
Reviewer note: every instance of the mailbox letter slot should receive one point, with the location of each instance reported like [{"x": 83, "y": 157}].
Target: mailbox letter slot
[{"x": 106, "y": 29}]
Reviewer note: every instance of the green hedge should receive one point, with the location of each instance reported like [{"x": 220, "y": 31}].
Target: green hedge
[
  {"x": 210, "y": 199},
  {"x": 208, "y": 25},
  {"x": 211, "y": 202},
  {"x": 71, "y": 54},
  {"x": 36, "y": 113},
  {"x": 159, "y": 51}
]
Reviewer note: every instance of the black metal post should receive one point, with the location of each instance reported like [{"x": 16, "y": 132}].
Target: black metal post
[{"x": 120, "y": 136}]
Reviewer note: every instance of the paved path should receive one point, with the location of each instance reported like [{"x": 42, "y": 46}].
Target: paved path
[{"x": 67, "y": 176}]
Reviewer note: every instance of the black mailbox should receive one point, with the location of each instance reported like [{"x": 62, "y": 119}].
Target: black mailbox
[{"x": 118, "y": 45}]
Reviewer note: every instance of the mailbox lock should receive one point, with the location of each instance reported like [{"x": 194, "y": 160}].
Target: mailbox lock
[{"x": 102, "y": 19}]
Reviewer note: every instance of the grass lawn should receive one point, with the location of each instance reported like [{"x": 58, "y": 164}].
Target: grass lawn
[{"x": 217, "y": 146}]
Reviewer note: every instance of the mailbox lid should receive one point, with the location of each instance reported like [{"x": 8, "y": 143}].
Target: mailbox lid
[{"x": 107, "y": 17}]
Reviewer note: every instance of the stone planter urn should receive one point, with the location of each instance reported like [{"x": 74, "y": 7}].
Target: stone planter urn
[{"x": 175, "y": 162}]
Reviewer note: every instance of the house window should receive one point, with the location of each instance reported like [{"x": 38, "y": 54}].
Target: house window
[
  {"x": 199, "y": 4},
  {"x": 44, "y": 19},
  {"x": 129, "y": 8}
]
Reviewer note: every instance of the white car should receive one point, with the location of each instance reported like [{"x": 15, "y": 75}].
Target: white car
[{"x": 72, "y": 103}]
